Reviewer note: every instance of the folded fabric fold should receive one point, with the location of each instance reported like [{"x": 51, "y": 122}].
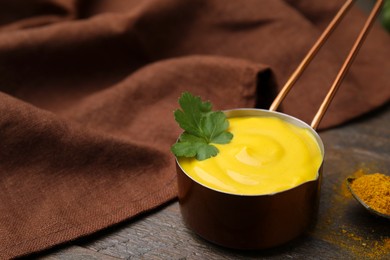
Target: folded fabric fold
[{"x": 106, "y": 158}]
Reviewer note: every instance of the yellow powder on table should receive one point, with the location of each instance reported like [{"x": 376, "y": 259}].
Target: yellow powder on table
[{"x": 374, "y": 190}]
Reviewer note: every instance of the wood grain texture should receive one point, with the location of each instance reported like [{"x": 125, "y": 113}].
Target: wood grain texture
[
  {"x": 343, "y": 230},
  {"x": 76, "y": 252}
]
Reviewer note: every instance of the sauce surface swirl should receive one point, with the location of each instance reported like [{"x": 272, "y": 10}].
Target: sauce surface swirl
[{"x": 266, "y": 155}]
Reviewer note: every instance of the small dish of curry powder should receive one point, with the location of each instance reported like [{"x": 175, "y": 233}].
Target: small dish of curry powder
[{"x": 374, "y": 191}]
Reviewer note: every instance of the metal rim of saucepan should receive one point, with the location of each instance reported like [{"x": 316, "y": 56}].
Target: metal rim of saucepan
[{"x": 250, "y": 222}]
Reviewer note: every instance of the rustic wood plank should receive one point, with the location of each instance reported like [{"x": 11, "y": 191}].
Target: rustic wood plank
[
  {"x": 164, "y": 236},
  {"x": 75, "y": 253}
]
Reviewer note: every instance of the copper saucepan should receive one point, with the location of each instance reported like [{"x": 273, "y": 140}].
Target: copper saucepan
[{"x": 250, "y": 221}]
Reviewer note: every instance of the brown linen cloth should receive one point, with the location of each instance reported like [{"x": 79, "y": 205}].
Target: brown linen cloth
[{"x": 88, "y": 89}]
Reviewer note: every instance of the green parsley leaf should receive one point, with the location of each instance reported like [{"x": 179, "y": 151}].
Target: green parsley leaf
[{"x": 201, "y": 126}]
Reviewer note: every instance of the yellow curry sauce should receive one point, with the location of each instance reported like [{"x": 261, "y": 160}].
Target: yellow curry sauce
[{"x": 266, "y": 155}]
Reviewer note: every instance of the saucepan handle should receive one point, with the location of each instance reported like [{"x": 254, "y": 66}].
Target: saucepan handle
[{"x": 344, "y": 68}]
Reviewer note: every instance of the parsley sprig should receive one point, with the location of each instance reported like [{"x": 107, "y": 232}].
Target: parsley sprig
[{"x": 201, "y": 126}]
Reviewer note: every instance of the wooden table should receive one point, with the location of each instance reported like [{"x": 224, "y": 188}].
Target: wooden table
[{"x": 344, "y": 229}]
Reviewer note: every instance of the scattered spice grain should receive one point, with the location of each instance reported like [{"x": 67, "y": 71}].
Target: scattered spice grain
[
  {"x": 374, "y": 190},
  {"x": 336, "y": 227}
]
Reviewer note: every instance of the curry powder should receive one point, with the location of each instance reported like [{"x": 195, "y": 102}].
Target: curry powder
[{"x": 374, "y": 190}]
